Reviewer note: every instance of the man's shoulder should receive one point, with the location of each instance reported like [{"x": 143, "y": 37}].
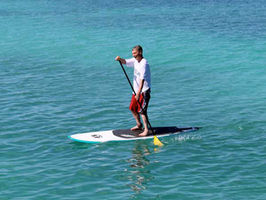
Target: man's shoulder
[{"x": 144, "y": 61}]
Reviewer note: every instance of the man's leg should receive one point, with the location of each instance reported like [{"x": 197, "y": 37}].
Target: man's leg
[
  {"x": 138, "y": 122},
  {"x": 145, "y": 122},
  {"x": 144, "y": 114}
]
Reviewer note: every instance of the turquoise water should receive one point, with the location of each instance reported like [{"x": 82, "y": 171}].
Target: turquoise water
[{"x": 58, "y": 77}]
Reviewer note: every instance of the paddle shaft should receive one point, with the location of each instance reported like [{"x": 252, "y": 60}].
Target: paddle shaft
[{"x": 149, "y": 124}]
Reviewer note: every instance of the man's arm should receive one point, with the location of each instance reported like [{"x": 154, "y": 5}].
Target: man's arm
[
  {"x": 123, "y": 61},
  {"x": 140, "y": 89}
]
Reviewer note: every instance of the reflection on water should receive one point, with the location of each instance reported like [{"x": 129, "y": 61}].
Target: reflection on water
[{"x": 139, "y": 172}]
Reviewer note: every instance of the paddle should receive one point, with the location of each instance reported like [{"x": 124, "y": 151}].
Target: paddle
[{"x": 156, "y": 141}]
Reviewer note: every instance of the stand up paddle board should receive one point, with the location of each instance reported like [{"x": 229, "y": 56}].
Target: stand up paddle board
[{"x": 127, "y": 134}]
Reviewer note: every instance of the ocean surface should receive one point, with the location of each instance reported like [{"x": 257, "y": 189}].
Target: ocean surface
[{"x": 58, "y": 77}]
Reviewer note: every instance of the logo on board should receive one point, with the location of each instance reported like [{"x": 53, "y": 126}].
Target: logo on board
[{"x": 96, "y": 136}]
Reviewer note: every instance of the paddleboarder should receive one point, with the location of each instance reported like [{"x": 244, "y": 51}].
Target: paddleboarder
[{"x": 142, "y": 86}]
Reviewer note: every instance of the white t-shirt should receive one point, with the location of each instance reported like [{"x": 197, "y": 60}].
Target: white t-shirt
[{"x": 141, "y": 71}]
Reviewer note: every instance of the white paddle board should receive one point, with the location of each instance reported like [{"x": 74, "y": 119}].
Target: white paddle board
[{"x": 127, "y": 134}]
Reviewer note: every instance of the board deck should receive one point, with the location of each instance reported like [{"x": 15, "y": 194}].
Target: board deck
[{"x": 127, "y": 134}]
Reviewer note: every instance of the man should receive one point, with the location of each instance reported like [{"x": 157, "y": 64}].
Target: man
[{"x": 142, "y": 85}]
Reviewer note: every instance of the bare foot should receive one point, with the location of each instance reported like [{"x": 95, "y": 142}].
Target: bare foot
[
  {"x": 144, "y": 133},
  {"x": 136, "y": 128}
]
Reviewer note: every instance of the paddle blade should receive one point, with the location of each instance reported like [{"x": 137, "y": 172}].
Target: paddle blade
[{"x": 157, "y": 142}]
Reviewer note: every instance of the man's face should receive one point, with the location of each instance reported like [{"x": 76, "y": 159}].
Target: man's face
[{"x": 135, "y": 53}]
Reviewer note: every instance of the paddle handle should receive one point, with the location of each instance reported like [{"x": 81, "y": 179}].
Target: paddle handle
[
  {"x": 149, "y": 124},
  {"x": 127, "y": 78}
]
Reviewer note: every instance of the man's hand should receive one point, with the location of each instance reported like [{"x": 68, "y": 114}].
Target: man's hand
[
  {"x": 122, "y": 60},
  {"x": 137, "y": 96}
]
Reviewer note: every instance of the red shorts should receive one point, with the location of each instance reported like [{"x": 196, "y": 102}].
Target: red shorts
[{"x": 142, "y": 105}]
